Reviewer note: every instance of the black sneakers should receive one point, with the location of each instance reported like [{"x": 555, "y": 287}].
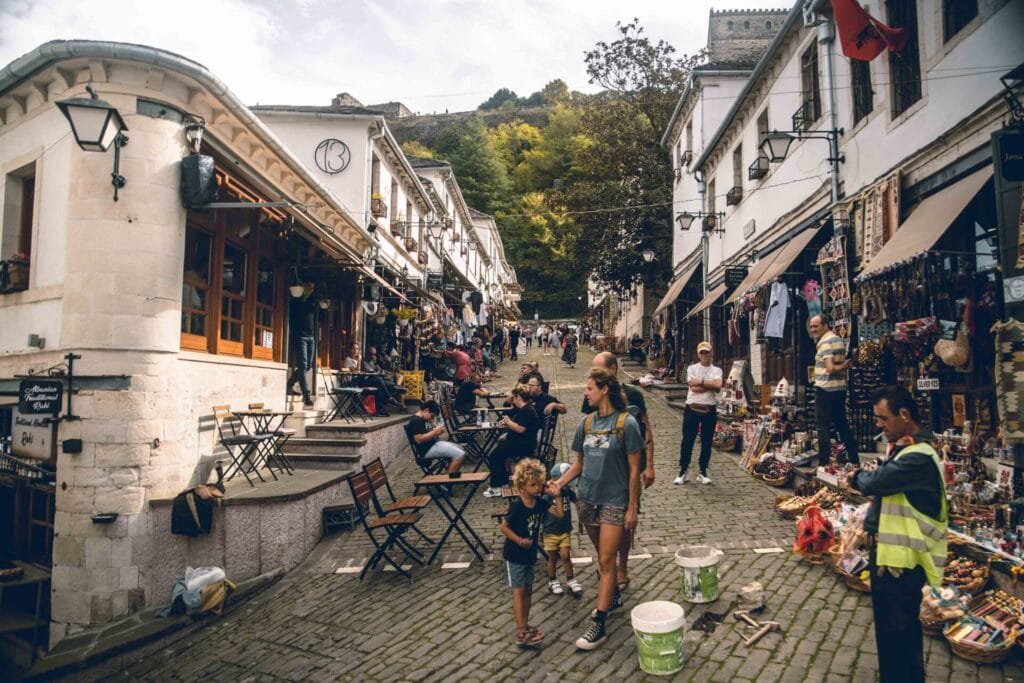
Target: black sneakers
[{"x": 593, "y": 637}]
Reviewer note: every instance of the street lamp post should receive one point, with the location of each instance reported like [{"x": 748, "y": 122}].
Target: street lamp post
[{"x": 96, "y": 125}]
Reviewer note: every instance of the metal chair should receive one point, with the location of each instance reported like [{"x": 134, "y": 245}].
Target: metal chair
[{"x": 240, "y": 445}]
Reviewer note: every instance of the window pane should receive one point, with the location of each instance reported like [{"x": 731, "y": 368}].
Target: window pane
[
  {"x": 197, "y": 256},
  {"x": 234, "y": 270},
  {"x": 198, "y": 325},
  {"x": 265, "y": 285}
]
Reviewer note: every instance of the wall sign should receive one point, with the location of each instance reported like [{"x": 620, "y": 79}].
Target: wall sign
[
  {"x": 928, "y": 384},
  {"x": 332, "y": 156},
  {"x": 40, "y": 396},
  {"x": 748, "y": 228},
  {"x": 735, "y": 275}
]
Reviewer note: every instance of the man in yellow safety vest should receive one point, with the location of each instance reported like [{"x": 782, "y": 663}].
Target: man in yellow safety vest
[{"x": 907, "y": 522}]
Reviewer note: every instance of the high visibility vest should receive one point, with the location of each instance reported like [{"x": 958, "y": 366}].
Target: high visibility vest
[{"x": 908, "y": 538}]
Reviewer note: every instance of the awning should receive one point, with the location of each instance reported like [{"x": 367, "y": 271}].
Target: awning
[
  {"x": 926, "y": 224},
  {"x": 775, "y": 264},
  {"x": 673, "y": 292},
  {"x": 711, "y": 298}
]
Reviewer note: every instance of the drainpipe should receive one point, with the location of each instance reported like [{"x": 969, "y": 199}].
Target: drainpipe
[{"x": 827, "y": 39}]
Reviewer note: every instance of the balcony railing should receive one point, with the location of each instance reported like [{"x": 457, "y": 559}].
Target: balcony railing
[
  {"x": 733, "y": 196},
  {"x": 397, "y": 228},
  {"x": 378, "y": 208},
  {"x": 13, "y": 275},
  {"x": 807, "y": 114},
  {"x": 686, "y": 158},
  {"x": 758, "y": 169}
]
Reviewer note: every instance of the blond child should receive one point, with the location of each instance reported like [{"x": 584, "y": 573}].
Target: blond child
[
  {"x": 558, "y": 540},
  {"x": 521, "y": 527}
]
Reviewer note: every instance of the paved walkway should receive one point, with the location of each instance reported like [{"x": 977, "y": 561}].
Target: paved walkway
[{"x": 454, "y": 621}]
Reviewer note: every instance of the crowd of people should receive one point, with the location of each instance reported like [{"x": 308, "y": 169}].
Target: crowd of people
[{"x": 611, "y": 463}]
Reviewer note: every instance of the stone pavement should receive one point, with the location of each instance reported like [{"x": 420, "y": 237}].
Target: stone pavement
[{"x": 454, "y": 620}]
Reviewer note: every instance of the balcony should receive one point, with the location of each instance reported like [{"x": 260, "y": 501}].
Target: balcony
[
  {"x": 378, "y": 208},
  {"x": 733, "y": 196},
  {"x": 758, "y": 169},
  {"x": 807, "y": 114},
  {"x": 422, "y": 258},
  {"x": 13, "y": 275},
  {"x": 686, "y": 158},
  {"x": 397, "y": 228}
]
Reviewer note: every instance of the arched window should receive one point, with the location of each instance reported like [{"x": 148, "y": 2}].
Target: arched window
[
  {"x": 728, "y": 25},
  {"x": 768, "y": 25},
  {"x": 746, "y": 25}
]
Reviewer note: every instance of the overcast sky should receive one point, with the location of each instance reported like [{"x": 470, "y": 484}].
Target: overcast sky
[{"x": 433, "y": 55}]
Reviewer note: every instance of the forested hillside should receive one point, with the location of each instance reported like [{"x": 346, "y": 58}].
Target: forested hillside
[{"x": 577, "y": 183}]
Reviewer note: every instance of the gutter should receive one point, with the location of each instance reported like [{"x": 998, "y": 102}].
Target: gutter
[
  {"x": 795, "y": 15},
  {"x": 55, "y": 51}
]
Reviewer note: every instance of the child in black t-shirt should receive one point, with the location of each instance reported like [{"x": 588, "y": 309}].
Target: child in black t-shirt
[
  {"x": 558, "y": 539},
  {"x": 521, "y": 527}
]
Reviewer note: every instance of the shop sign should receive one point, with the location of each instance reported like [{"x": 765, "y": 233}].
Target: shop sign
[
  {"x": 1013, "y": 289},
  {"x": 735, "y": 275},
  {"x": 32, "y": 435},
  {"x": 40, "y": 396},
  {"x": 748, "y": 228},
  {"x": 928, "y": 384},
  {"x": 1010, "y": 156}
]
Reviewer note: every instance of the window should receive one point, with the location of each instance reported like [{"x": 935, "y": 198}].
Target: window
[
  {"x": 231, "y": 292},
  {"x": 863, "y": 97},
  {"x": 19, "y": 215},
  {"x": 711, "y": 196},
  {"x": 737, "y": 166},
  {"x": 905, "y": 65},
  {"x": 689, "y": 136},
  {"x": 762, "y": 126},
  {"x": 956, "y": 14},
  {"x": 809, "y": 90}
]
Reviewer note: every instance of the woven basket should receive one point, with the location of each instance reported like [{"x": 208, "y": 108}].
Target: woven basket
[
  {"x": 787, "y": 514},
  {"x": 780, "y": 481},
  {"x": 978, "y": 584},
  {"x": 854, "y": 582},
  {"x": 933, "y": 627},
  {"x": 973, "y": 653}
]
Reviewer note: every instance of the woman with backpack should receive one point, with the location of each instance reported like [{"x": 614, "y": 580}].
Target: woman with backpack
[{"x": 608, "y": 448}]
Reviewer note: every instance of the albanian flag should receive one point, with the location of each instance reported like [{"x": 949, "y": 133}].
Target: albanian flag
[{"x": 862, "y": 36}]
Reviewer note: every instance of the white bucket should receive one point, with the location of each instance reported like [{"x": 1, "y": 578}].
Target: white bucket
[
  {"x": 659, "y": 628},
  {"x": 698, "y": 566}
]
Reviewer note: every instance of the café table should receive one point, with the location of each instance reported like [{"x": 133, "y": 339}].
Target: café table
[
  {"x": 480, "y": 450},
  {"x": 268, "y": 422},
  {"x": 438, "y": 486}
]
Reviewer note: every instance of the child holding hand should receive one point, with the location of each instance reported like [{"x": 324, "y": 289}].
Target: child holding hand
[
  {"x": 558, "y": 539},
  {"x": 521, "y": 527}
]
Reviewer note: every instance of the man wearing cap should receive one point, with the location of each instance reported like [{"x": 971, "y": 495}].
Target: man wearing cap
[{"x": 704, "y": 380}]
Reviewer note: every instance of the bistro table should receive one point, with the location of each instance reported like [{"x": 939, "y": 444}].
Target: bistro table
[
  {"x": 438, "y": 486},
  {"x": 263, "y": 422},
  {"x": 490, "y": 431}
]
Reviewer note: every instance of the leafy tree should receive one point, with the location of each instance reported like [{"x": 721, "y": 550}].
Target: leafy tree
[
  {"x": 536, "y": 99},
  {"x": 554, "y": 153},
  {"x": 478, "y": 167},
  {"x": 500, "y": 97},
  {"x": 556, "y": 92},
  {"x": 415, "y": 148},
  {"x": 512, "y": 139}
]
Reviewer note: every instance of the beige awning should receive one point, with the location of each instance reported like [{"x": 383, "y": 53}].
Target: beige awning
[
  {"x": 711, "y": 298},
  {"x": 927, "y": 223},
  {"x": 775, "y": 264},
  {"x": 673, "y": 292}
]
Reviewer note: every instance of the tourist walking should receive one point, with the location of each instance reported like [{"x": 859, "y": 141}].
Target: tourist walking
[
  {"x": 830, "y": 366},
  {"x": 528, "y": 336},
  {"x": 907, "y": 523},
  {"x": 700, "y": 414},
  {"x": 607, "y": 448},
  {"x": 302, "y": 329},
  {"x": 513, "y": 342},
  {"x": 571, "y": 347}
]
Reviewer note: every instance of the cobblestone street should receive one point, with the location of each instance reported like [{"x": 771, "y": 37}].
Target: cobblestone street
[{"x": 454, "y": 620}]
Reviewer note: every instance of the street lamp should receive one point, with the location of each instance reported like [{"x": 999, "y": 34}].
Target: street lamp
[
  {"x": 648, "y": 255},
  {"x": 96, "y": 125},
  {"x": 775, "y": 145},
  {"x": 708, "y": 224}
]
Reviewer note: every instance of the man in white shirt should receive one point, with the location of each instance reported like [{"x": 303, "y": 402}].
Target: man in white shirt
[{"x": 704, "y": 380}]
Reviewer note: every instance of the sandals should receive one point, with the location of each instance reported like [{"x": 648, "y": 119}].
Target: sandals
[
  {"x": 531, "y": 636},
  {"x": 623, "y": 584}
]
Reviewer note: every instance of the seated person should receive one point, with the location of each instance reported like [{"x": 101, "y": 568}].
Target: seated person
[
  {"x": 354, "y": 359},
  {"x": 373, "y": 363},
  {"x": 465, "y": 397},
  {"x": 636, "y": 349},
  {"x": 519, "y": 441},
  {"x": 543, "y": 403},
  {"x": 382, "y": 396},
  {"x": 424, "y": 433}
]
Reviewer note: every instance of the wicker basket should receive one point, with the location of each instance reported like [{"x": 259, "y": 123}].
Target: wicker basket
[
  {"x": 977, "y": 585},
  {"x": 933, "y": 627},
  {"x": 787, "y": 514},
  {"x": 780, "y": 481},
  {"x": 974, "y": 653}
]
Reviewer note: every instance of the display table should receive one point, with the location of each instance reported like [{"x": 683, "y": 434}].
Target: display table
[{"x": 16, "y": 620}]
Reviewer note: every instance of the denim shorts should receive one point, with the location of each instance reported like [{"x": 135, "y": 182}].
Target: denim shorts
[{"x": 517, "y": 575}]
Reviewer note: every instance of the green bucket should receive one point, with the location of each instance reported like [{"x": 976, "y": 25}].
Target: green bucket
[
  {"x": 659, "y": 628},
  {"x": 698, "y": 566}
]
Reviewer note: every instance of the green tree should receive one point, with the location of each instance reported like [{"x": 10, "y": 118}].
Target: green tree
[
  {"x": 556, "y": 92},
  {"x": 552, "y": 157},
  {"x": 500, "y": 97},
  {"x": 415, "y": 148},
  {"x": 478, "y": 167}
]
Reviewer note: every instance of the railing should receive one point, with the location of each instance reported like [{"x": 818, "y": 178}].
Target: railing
[
  {"x": 397, "y": 228},
  {"x": 13, "y": 276},
  {"x": 806, "y": 115},
  {"x": 378, "y": 208},
  {"x": 733, "y": 196},
  {"x": 758, "y": 169},
  {"x": 686, "y": 158}
]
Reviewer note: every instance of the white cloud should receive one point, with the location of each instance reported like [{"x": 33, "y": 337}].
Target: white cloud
[{"x": 431, "y": 54}]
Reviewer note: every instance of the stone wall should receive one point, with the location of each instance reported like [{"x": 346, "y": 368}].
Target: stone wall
[{"x": 741, "y": 36}]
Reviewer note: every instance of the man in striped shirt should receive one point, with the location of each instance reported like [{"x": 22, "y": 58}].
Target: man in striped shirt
[{"x": 830, "y": 366}]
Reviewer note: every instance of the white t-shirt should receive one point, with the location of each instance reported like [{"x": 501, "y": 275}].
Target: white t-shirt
[{"x": 707, "y": 373}]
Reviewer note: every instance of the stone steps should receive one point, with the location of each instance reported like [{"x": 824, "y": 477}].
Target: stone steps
[
  {"x": 324, "y": 446},
  {"x": 317, "y": 461}
]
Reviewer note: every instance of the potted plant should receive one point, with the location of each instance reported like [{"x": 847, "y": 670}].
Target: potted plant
[
  {"x": 404, "y": 315},
  {"x": 17, "y": 271},
  {"x": 377, "y": 206},
  {"x": 381, "y": 317}
]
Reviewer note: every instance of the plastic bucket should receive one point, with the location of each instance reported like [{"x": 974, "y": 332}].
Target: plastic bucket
[
  {"x": 659, "y": 628},
  {"x": 698, "y": 565}
]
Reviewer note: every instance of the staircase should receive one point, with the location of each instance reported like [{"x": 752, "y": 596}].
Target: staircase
[{"x": 331, "y": 446}]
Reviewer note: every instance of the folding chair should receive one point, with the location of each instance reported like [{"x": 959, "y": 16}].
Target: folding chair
[
  {"x": 347, "y": 400},
  {"x": 379, "y": 481},
  {"x": 239, "y": 445},
  {"x": 547, "y": 433},
  {"x": 394, "y": 525},
  {"x": 276, "y": 450},
  {"x": 431, "y": 466}
]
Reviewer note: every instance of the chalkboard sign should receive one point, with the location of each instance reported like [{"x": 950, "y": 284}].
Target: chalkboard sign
[
  {"x": 40, "y": 396},
  {"x": 734, "y": 276}
]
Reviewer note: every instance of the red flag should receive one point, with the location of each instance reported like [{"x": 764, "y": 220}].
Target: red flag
[{"x": 862, "y": 36}]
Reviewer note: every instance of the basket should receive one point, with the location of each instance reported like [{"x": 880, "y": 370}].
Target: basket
[
  {"x": 933, "y": 627},
  {"x": 974, "y": 653},
  {"x": 855, "y": 582},
  {"x": 779, "y": 481},
  {"x": 787, "y": 514},
  {"x": 978, "y": 584}
]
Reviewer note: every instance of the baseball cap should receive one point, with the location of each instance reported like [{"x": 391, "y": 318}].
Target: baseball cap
[{"x": 703, "y": 346}]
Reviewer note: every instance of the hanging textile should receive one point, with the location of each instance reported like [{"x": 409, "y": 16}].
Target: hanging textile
[
  {"x": 778, "y": 307},
  {"x": 1009, "y": 373},
  {"x": 880, "y": 215}
]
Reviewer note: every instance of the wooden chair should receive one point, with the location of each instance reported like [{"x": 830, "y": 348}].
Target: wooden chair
[
  {"x": 393, "y": 526},
  {"x": 240, "y": 445},
  {"x": 380, "y": 482}
]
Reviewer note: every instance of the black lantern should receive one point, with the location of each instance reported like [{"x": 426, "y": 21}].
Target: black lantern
[
  {"x": 775, "y": 145},
  {"x": 685, "y": 220},
  {"x": 96, "y": 125}
]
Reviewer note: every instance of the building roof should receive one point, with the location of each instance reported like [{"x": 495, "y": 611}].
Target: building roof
[
  {"x": 314, "y": 109},
  {"x": 425, "y": 162}
]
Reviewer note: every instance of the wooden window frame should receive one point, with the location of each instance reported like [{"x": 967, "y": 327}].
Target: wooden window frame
[
  {"x": 860, "y": 86},
  {"x": 905, "y": 65},
  {"x": 810, "y": 85},
  {"x": 954, "y": 17}
]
